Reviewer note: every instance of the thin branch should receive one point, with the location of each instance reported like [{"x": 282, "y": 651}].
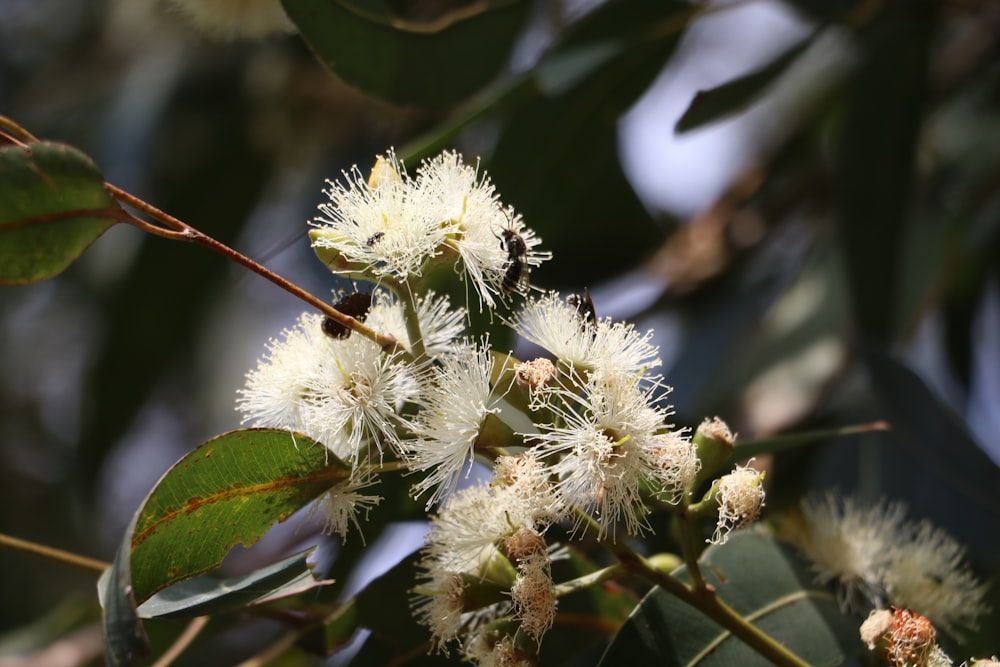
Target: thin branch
[
  {"x": 190, "y": 633},
  {"x": 52, "y": 553},
  {"x": 283, "y": 643},
  {"x": 178, "y": 230},
  {"x": 14, "y": 129}
]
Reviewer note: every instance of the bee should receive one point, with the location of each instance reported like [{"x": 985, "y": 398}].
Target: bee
[
  {"x": 516, "y": 271},
  {"x": 584, "y": 306},
  {"x": 356, "y": 305},
  {"x": 374, "y": 238}
]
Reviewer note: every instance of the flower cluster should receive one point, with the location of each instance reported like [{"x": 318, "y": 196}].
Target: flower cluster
[
  {"x": 580, "y": 437},
  {"x": 392, "y": 228},
  {"x": 874, "y": 555}
]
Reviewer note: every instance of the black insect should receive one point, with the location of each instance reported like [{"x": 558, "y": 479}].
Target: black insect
[
  {"x": 355, "y": 305},
  {"x": 516, "y": 271},
  {"x": 584, "y": 306},
  {"x": 374, "y": 238}
]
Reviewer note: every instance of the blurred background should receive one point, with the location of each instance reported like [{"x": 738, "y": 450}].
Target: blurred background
[{"x": 801, "y": 198}]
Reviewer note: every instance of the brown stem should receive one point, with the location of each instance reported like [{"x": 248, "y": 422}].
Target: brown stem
[
  {"x": 709, "y": 603},
  {"x": 178, "y": 230},
  {"x": 282, "y": 644},
  {"x": 190, "y": 633},
  {"x": 12, "y": 128},
  {"x": 53, "y": 554}
]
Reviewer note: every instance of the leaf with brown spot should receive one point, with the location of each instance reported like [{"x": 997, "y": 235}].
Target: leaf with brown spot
[{"x": 228, "y": 491}]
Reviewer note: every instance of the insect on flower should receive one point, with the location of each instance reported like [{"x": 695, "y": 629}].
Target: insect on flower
[
  {"x": 584, "y": 306},
  {"x": 356, "y": 305},
  {"x": 374, "y": 238},
  {"x": 516, "y": 271}
]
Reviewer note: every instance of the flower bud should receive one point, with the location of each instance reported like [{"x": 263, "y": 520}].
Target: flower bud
[
  {"x": 715, "y": 443},
  {"x": 324, "y": 241},
  {"x": 664, "y": 562},
  {"x": 495, "y": 568}
]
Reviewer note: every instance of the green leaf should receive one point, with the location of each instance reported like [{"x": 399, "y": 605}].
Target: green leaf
[
  {"x": 556, "y": 159},
  {"x": 930, "y": 443},
  {"x": 210, "y": 595},
  {"x": 763, "y": 581},
  {"x": 784, "y": 443},
  {"x": 125, "y": 639},
  {"x": 433, "y": 65},
  {"x": 733, "y": 96},
  {"x": 227, "y": 491},
  {"x": 876, "y": 163},
  {"x": 53, "y": 205}
]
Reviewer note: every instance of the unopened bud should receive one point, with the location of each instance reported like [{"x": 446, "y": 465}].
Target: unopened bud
[
  {"x": 324, "y": 243},
  {"x": 715, "y": 443},
  {"x": 666, "y": 563}
]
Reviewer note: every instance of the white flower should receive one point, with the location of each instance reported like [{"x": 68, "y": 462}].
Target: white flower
[
  {"x": 471, "y": 523},
  {"x": 439, "y": 604},
  {"x": 925, "y": 572},
  {"x": 849, "y": 545},
  {"x": 673, "y": 462},
  {"x": 339, "y": 506},
  {"x": 276, "y": 391},
  {"x": 476, "y": 223},
  {"x": 342, "y": 393},
  {"x": 741, "y": 497},
  {"x": 394, "y": 226},
  {"x": 378, "y": 223},
  {"x": 601, "y": 346},
  {"x": 873, "y": 552},
  {"x": 609, "y": 443},
  {"x": 457, "y": 400},
  {"x": 440, "y": 325},
  {"x": 461, "y": 549},
  {"x": 529, "y": 486},
  {"x": 533, "y": 593}
]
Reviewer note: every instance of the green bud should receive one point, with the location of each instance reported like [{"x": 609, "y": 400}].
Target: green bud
[
  {"x": 495, "y": 432},
  {"x": 715, "y": 444},
  {"x": 494, "y": 567},
  {"x": 331, "y": 257},
  {"x": 664, "y": 562}
]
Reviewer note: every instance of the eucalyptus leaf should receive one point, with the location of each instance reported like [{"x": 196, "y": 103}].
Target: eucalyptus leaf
[
  {"x": 433, "y": 64},
  {"x": 210, "y": 595},
  {"x": 556, "y": 159},
  {"x": 734, "y": 96},
  {"x": 53, "y": 205},
  {"x": 227, "y": 491},
  {"x": 763, "y": 581},
  {"x": 878, "y": 146}
]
